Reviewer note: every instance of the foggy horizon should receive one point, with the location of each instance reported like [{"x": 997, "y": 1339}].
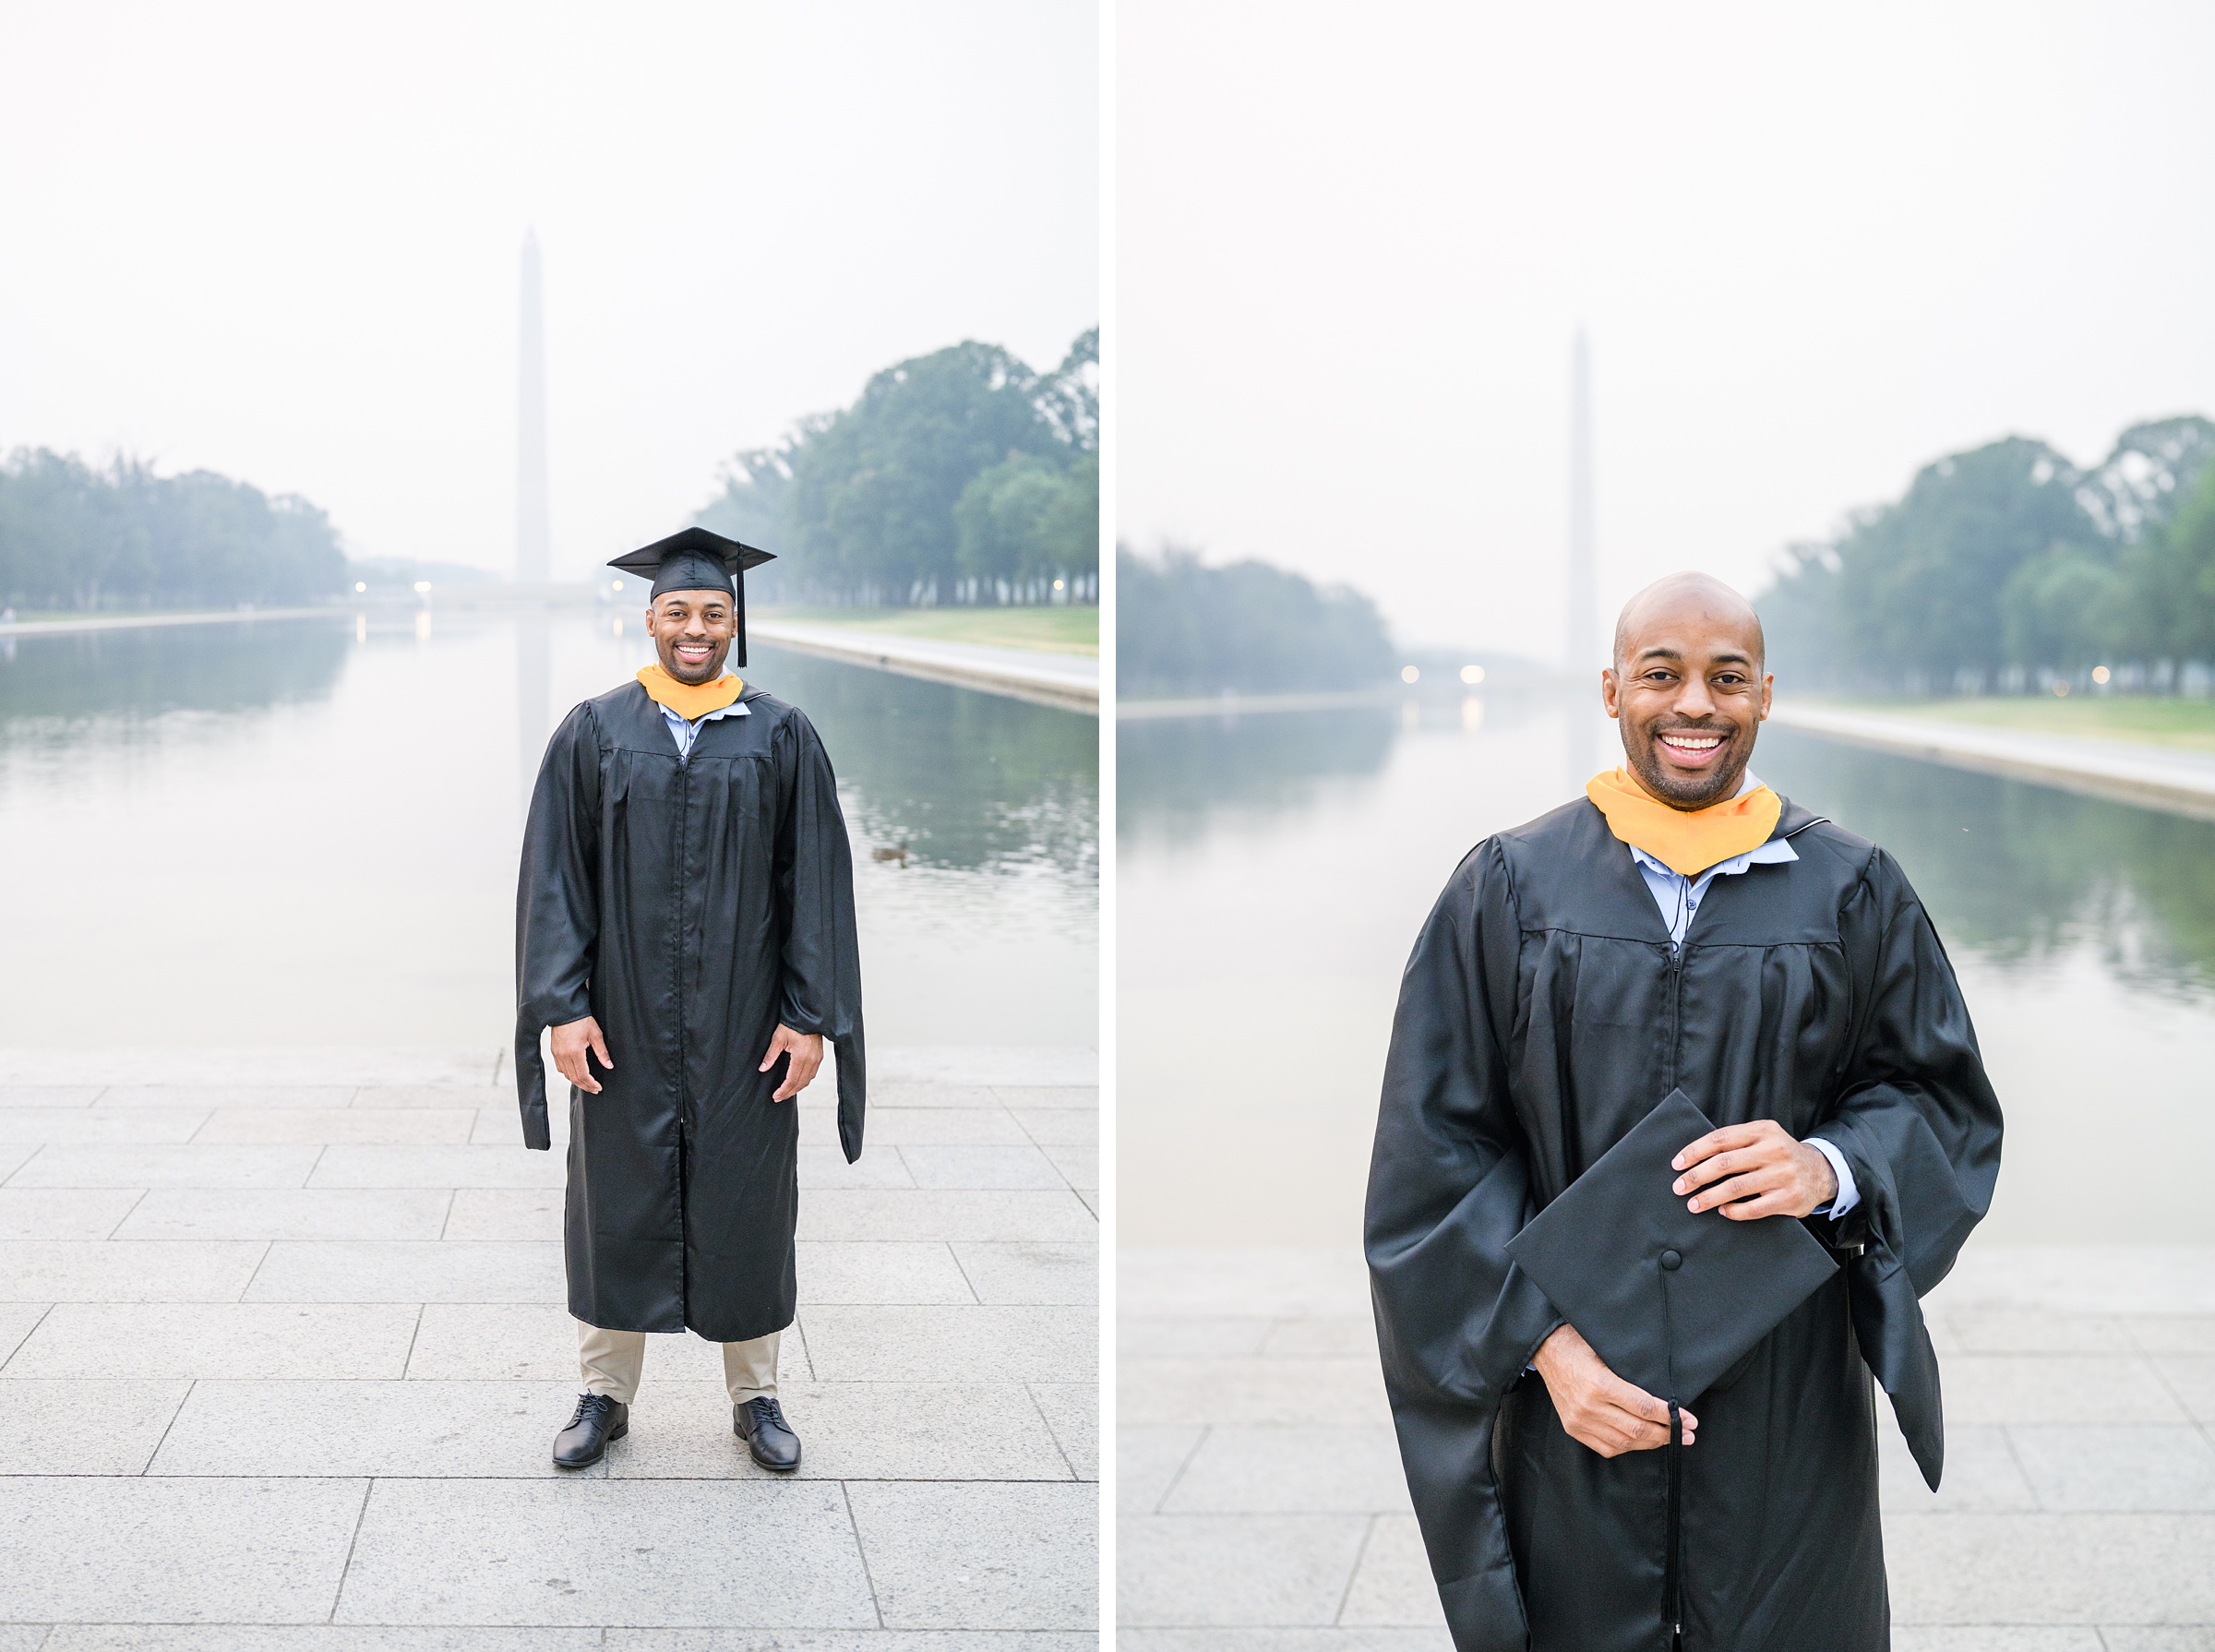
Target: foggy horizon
[
  {"x": 1811, "y": 254},
  {"x": 284, "y": 246}
]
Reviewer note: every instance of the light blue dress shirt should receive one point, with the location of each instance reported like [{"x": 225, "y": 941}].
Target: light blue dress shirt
[
  {"x": 1679, "y": 898},
  {"x": 685, "y": 732}
]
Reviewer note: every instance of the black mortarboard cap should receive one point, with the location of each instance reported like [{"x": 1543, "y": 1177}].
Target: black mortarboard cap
[
  {"x": 699, "y": 560},
  {"x": 1670, "y": 1300}
]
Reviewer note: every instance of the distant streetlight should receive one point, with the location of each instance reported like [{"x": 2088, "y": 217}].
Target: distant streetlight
[
  {"x": 1472, "y": 674},
  {"x": 1056, "y": 584},
  {"x": 360, "y": 586},
  {"x": 1409, "y": 674},
  {"x": 2099, "y": 674},
  {"x": 615, "y": 584},
  {"x": 422, "y": 588}
]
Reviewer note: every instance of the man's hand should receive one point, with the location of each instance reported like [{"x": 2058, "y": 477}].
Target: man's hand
[
  {"x": 1754, "y": 1170},
  {"x": 807, "y": 1052},
  {"x": 1598, "y": 1407},
  {"x": 571, "y": 1042}
]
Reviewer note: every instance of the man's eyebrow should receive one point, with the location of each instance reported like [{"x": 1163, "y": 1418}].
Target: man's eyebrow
[{"x": 1659, "y": 652}]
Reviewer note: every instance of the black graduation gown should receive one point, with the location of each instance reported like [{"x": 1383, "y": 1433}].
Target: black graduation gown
[
  {"x": 1541, "y": 1016},
  {"x": 688, "y": 906}
]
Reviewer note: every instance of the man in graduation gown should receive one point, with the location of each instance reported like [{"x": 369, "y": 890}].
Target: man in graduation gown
[
  {"x": 1679, "y": 927},
  {"x": 685, "y": 925}
]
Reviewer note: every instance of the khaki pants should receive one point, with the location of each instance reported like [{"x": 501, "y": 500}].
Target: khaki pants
[{"x": 613, "y": 1360}]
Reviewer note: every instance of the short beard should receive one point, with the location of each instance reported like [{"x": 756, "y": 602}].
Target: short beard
[{"x": 1715, "y": 787}]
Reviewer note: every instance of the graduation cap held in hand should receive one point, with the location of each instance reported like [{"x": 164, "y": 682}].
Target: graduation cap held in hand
[
  {"x": 699, "y": 560},
  {"x": 1670, "y": 1300}
]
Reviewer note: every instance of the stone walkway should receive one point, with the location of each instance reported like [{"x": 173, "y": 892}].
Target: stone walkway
[
  {"x": 2128, "y": 770},
  {"x": 1262, "y": 1507},
  {"x": 285, "y": 1347}
]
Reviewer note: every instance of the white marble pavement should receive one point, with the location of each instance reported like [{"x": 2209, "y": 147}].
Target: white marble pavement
[
  {"x": 282, "y": 1353},
  {"x": 1262, "y": 1507}
]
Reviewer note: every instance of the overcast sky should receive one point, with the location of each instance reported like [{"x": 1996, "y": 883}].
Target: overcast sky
[
  {"x": 280, "y": 240},
  {"x": 1815, "y": 248}
]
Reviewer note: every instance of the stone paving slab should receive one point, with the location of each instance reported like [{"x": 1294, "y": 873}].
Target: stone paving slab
[
  {"x": 102, "y": 1426},
  {"x": 1391, "y": 1585},
  {"x": 384, "y": 1343},
  {"x": 346, "y": 1637},
  {"x": 18, "y": 1320},
  {"x": 863, "y": 1212},
  {"x": 130, "y": 1549},
  {"x": 449, "y": 1166},
  {"x": 1029, "y": 1274},
  {"x": 1235, "y": 1570},
  {"x": 226, "y": 1339},
  {"x": 504, "y": 1214},
  {"x": 1289, "y": 1640},
  {"x": 206, "y": 1098},
  {"x": 1059, "y": 1126},
  {"x": 974, "y": 1165},
  {"x": 49, "y": 1096},
  {"x": 697, "y": 1552},
  {"x": 134, "y": 1125},
  {"x": 409, "y": 1271},
  {"x": 418, "y": 1429},
  {"x": 1073, "y": 1411},
  {"x": 287, "y": 1213},
  {"x": 1028, "y": 1558},
  {"x": 121, "y": 1166},
  {"x": 388, "y": 1127},
  {"x": 500, "y": 1096},
  {"x": 885, "y": 1345},
  {"x": 1291, "y": 1470},
  {"x": 849, "y": 1431},
  {"x": 125, "y": 1271},
  {"x": 63, "y": 1213}
]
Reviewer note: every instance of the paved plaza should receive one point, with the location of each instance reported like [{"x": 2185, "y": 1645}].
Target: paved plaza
[
  {"x": 1262, "y": 1508},
  {"x": 283, "y": 1352}
]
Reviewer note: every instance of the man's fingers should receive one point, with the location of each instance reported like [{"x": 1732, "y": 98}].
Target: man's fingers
[
  {"x": 1721, "y": 1141},
  {"x": 777, "y": 1046},
  {"x": 599, "y": 1049},
  {"x": 1755, "y": 1184},
  {"x": 1720, "y": 1166},
  {"x": 1777, "y": 1203}
]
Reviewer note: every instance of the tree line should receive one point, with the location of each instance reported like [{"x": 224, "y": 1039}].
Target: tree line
[
  {"x": 963, "y": 476},
  {"x": 74, "y": 536},
  {"x": 2009, "y": 568},
  {"x": 1183, "y": 627}
]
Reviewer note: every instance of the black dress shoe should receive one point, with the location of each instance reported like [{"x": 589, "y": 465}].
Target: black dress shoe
[
  {"x": 584, "y": 1442},
  {"x": 761, "y": 1423}
]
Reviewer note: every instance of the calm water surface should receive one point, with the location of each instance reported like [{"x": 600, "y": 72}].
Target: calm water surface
[
  {"x": 1274, "y": 871},
  {"x": 305, "y": 832}
]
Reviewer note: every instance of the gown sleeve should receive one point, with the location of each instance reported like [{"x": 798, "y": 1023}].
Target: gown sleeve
[
  {"x": 822, "y": 953},
  {"x": 1919, "y": 1124},
  {"x": 1449, "y": 1186},
  {"x": 556, "y": 906}
]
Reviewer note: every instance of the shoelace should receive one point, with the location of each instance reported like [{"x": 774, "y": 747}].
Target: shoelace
[
  {"x": 766, "y": 1410},
  {"x": 596, "y": 1405}
]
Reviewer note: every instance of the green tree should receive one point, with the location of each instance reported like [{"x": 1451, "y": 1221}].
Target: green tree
[
  {"x": 72, "y": 536},
  {"x": 868, "y": 504},
  {"x": 1183, "y": 627}
]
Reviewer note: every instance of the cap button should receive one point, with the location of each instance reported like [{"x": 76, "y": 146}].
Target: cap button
[{"x": 1672, "y": 1261}]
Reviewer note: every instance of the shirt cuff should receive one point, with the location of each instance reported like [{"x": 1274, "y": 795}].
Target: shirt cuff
[{"x": 1848, "y": 1195}]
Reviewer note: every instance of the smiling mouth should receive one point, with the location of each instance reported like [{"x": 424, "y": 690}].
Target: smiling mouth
[{"x": 1688, "y": 745}]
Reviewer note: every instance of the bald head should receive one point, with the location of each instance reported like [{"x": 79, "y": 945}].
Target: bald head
[{"x": 1675, "y": 601}]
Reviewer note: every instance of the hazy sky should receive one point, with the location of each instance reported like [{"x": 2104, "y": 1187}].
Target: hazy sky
[
  {"x": 280, "y": 240},
  {"x": 1815, "y": 248}
]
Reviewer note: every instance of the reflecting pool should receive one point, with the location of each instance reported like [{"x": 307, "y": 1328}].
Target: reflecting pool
[
  {"x": 305, "y": 831},
  {"x": 1273, "y": 871}
]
